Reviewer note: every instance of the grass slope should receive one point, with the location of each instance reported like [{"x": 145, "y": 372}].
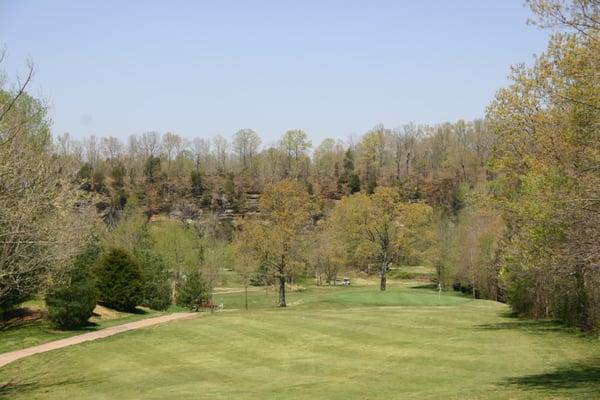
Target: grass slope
[{"x": 338, "y": 343}]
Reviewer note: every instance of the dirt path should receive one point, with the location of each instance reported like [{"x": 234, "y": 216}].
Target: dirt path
[{"x": 7, "y": 358}]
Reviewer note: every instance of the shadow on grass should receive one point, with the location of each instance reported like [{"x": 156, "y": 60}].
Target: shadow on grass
[
  {"x": 428, "y": 286},
  {"x": 93, "y": 326},
  {"x": 20, "y": 317},
  {"x": 582, "y": 377},
  {"x": 16, "y": 386},
  {"x": 136, "y": 310},
  {"x": 529, "y": 326},
  {"x": 513, "y": 322},
  {"x": 6, "y": 327}
]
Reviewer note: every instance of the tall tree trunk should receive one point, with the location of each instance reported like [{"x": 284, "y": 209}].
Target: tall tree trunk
[
  {"x": 383, "y": 274},
  {"x": 246, "y": 297},
  {"x": 174, "y": 290},
  {"x": 281, "y": 290}
]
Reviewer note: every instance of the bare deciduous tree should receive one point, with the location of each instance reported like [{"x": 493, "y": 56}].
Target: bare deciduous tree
[
  {"x": 34, "y": 198},
  {"x": 149, "y": 143},
  {"x": 245, "y": 144}
]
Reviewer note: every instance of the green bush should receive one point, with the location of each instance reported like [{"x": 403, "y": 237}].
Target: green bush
[
  {"x": 156, "y": 289},
  {"x": 152, "y": 169},
  {"x": 119, "y": 280},
  {"x": 157, "y": 295},
  {"x": 193, "y": 291},
  {"x": 85, "y": 172},
  {"x": 98, "y": 182},
  {"x": 72, "y": 298},
  {"x": 197, "y": 186},
  {"x": 354, "y": 183},
  {"x": 118, "y": 173},
  {"x": 72, "y": 301}
]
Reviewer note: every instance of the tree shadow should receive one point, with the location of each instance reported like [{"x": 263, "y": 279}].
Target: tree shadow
[
  {"x": 579, "y": 378},
  {"x": 19, "y": 317},
  {"x": 583, "y": 377},
  {"x": 428, "y": 286},
  {"x": 534, "y": 326},
  {"x": 136, "y": 310},
  {"x": 528, "y": 326},
  {"x": 23, "y": 387},
  {"x": 92, "y": 326}
]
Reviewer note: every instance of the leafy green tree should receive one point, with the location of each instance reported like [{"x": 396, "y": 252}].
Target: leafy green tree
[
  {"x": 478, "y": 235},
  {"x": 180, "y": 248},
  {"x": 381, "y": 228},
  {"x": 134, "y": 235},
  {"x": 193, "y": 291},
  {"x": 98, "y": 182},
  {"x": 295, "y": 144},
  {"x": 372, "y": 152},
  {"x": 84, "y": 176},
  {"x": 546, "y": 158},
  {"x": 35, "y": 197},
  {"x": 327, "y": 158},
  {"x": 353, "y": 183},
  {"x": 71, "y": 302},
  {"x": 85, "y": 172},
  {"x": 245, "y": 144},
  {"x": 156, "y": 290},
  {"x": 349, "y": 181},
  {"x": 172, "y": 144},
  {"x": 276, "y": 239},
  {"x": 118, "y": 173},
  {"x": 326, "y": 254},
  {"x": 72, "y": 294},
  {"x": 152, "y": 169},
  {"x": 441, "y": 252},
  {"x": 197, "y": 186},
  {"x": 119, "y": 280}
]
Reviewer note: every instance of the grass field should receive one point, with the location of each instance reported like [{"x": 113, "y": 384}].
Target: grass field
[{"x": 331, "y": 343}]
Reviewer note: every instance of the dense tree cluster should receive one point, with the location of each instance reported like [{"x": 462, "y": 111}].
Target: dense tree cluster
[{"x": 547, "y": 157}]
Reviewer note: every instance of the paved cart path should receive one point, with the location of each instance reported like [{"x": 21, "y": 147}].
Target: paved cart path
[{"x": 7, "y": 358}]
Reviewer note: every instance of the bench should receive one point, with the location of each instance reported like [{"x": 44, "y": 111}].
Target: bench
[{"x": 210, "y": 307}]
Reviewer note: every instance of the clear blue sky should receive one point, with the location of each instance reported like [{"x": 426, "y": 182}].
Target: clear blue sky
[{"x": 201, "y": 68}]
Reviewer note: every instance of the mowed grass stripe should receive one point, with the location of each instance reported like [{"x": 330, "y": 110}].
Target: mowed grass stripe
[{"x": 311, "y": 351}]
